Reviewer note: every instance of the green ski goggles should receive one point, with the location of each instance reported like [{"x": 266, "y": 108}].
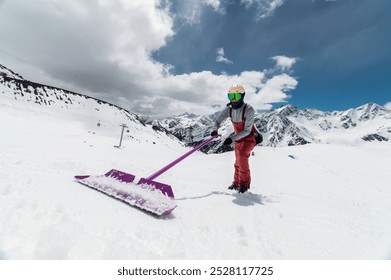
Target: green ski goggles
[{"x": 234, "y": 96}]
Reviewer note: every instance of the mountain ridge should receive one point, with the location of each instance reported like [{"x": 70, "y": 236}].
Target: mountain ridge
[{"x": 290, "y": 126}]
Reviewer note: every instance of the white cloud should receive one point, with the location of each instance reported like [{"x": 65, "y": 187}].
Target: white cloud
[
  {"x": 105, "y": 51},
  {"x": 388, "y": 105},
  {"x": 220, "y": 56},
  {"x": 276, "y": 89},
  {"x": 191, "y": 10},
  {"x": 215, "y": 4},
  {"x": 284, "y": 63},
  {"x": 265, "y": 8}
]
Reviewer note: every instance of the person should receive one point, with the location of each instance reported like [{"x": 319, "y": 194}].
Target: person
[{"x": 242, "y": 118}]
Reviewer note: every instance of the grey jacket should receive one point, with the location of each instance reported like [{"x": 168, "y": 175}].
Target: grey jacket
[{"x": 237, "y": 117}]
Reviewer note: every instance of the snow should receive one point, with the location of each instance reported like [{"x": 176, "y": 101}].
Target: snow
[{"x": 314, "y": 201}]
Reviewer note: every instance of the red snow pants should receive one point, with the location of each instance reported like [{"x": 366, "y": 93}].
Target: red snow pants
[{"x": 243, "y": 149}]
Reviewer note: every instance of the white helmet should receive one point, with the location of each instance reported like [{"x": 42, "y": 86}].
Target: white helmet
[{"x": 237, "y": 88}]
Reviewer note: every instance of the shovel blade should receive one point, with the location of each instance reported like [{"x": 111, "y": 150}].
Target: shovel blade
[
  {"x": 148, "y": 195},
  {"x": 113, "y": 173},
  {"x": 164, "y": 188},
  {"x": 120, "y": 176}
]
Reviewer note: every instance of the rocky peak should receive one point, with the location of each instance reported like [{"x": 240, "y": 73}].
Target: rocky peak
[{"x": 7, "y": 73}]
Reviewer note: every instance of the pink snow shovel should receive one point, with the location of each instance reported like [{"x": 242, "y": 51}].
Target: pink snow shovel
[{"x": 147, "y": 194}]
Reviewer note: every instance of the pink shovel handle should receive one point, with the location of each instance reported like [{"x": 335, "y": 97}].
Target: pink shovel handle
[{"x": 168, "y": 166}]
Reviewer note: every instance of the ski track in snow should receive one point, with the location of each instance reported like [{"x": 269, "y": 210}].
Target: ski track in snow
[{"x": 327, "y": 202}]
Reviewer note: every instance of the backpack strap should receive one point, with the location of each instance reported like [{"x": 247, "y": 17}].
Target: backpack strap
[{"x": 243, "y": 112}]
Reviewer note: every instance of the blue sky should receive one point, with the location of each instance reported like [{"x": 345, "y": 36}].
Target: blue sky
[
  {"x": 343, "y": 48},
  {"x": 170, "y": 57}
]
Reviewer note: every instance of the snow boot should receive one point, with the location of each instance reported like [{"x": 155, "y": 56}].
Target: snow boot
[
  {"x": 233, "y": 186},
  {"x": 243, "y": 188}
]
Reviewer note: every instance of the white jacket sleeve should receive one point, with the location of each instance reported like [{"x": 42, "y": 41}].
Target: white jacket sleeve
[{"x": 223, "y": 115}]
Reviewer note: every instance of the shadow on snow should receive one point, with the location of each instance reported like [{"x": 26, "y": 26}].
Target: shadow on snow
[{"x": 242, "y": 199}]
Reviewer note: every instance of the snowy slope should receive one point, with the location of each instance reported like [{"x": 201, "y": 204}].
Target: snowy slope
[
  {"x": 307, "y": 202},
  {"x": 95, "y": 115}
]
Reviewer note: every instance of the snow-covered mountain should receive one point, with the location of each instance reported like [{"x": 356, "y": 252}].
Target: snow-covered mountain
[
  {"x": 290, "y": 126},
  {"x": 5, "y": 72},
  {"x": 96, "y": 115}
]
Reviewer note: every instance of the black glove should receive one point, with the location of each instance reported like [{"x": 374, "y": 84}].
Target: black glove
[
  {"x": 214, "y": 132},
  {"x": 227, "y": 141}
]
